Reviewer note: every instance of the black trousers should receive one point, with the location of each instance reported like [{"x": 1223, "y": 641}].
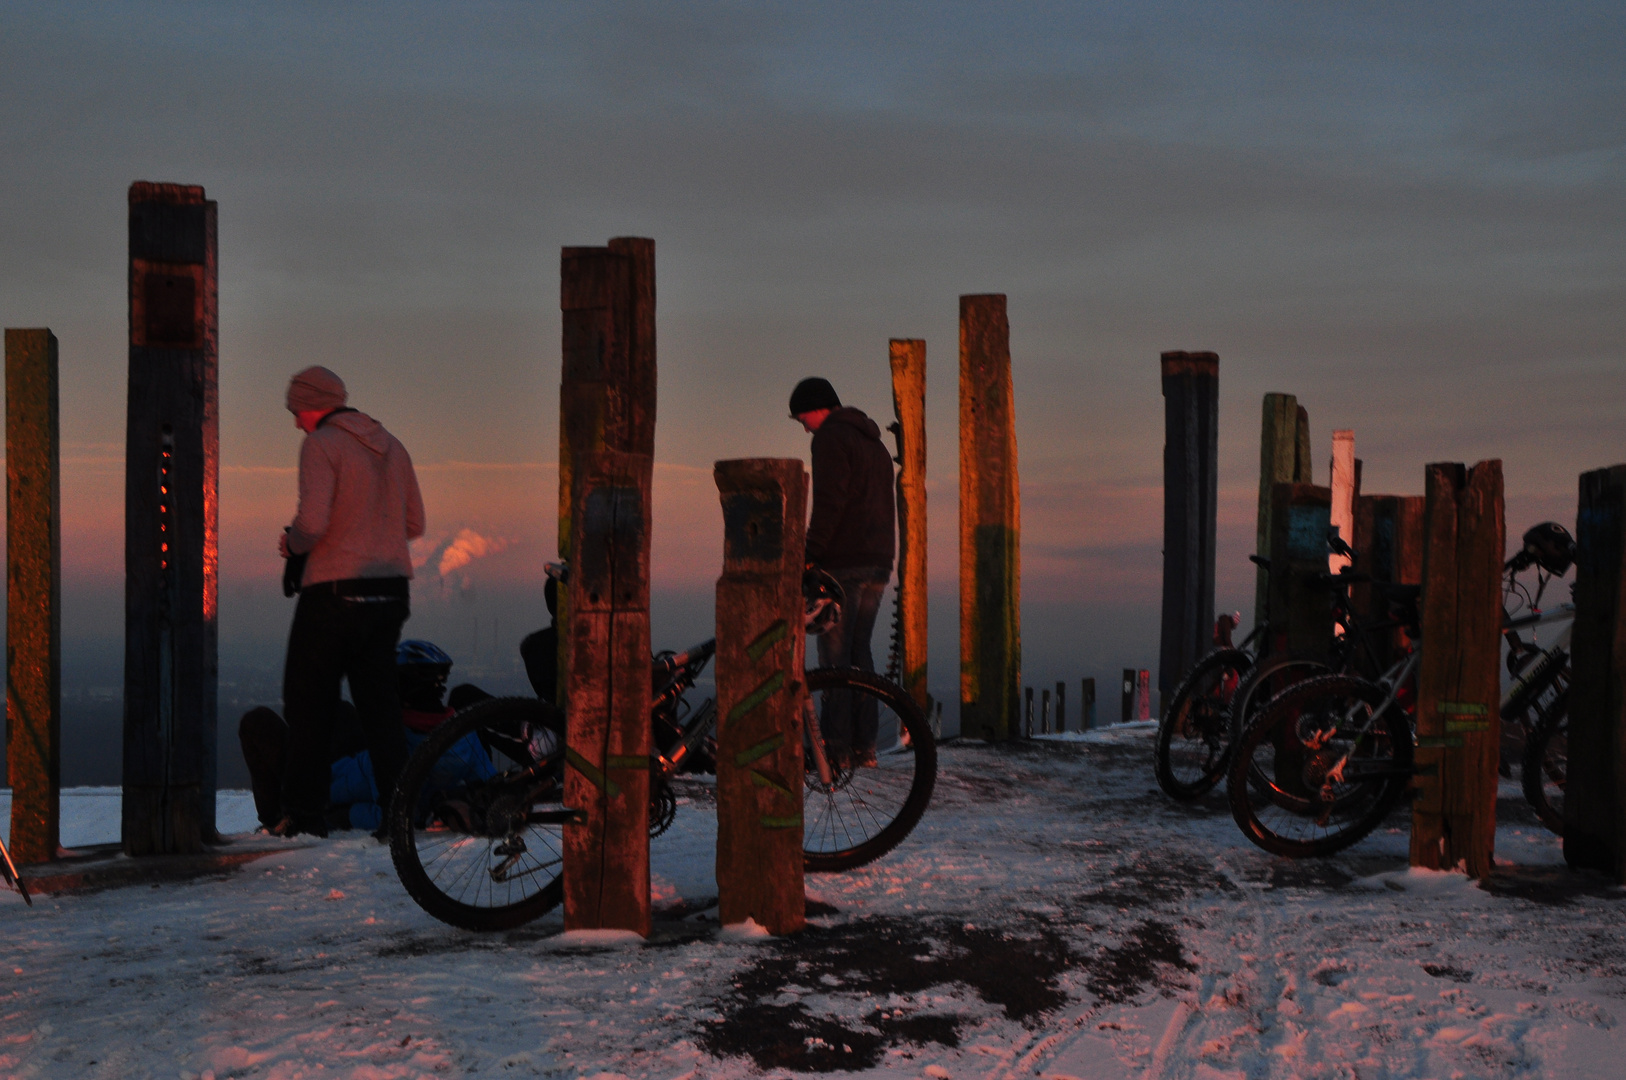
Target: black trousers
[
  {"x": 263, "y": 736},
  {"x": 335, "y": 638}
]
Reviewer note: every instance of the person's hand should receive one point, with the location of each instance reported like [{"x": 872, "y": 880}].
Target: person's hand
[{"x": 282, "y": 544}]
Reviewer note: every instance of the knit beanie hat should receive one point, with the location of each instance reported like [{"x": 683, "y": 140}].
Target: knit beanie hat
[
  {"x": 315, "y": 388},
  {"x": 811, "y": 395}
]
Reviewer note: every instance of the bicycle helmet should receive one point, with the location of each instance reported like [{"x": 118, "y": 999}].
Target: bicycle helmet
[
  {"x": 1550, "y": 546},
  {"x": 413, "y": 651},
  {"x": 421, "y": 669}
]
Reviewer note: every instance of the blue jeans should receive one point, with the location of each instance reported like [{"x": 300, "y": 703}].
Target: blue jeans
[{"x": 847, "y": 645}]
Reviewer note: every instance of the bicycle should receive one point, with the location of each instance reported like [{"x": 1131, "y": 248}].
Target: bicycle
[
  {"x": 1536, "y": 704},
  {"x": 1325, "y": 761},
  {"x": 477, "y": 820}
]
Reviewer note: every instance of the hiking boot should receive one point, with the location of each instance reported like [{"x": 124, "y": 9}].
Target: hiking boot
[
  {"x": 864, "y": 759},
  {"x": 290, "y": 827}
]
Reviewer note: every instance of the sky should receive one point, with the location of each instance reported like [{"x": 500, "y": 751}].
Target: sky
[{"x": 1409, "y": 216}]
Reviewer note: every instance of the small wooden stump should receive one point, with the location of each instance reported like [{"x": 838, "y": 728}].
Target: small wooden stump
[
  {"x": 1458, "y": 679},
  {"x": 1284, "y": 458},
  {"x": 1595, "y": 787},
  {"x": 606, "y": 452},
  {"x": 908, "y": 360},
  {"x": 990, "y": 516},
  {"x": 33, "y": 596},
  {"x": 761, "y": 693},
  {"x": 1190, "y": 502},
  {"x": 171, "y": 522}
]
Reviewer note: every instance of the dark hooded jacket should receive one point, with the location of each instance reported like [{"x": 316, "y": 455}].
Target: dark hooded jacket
[{"x": 853, "y": 512}]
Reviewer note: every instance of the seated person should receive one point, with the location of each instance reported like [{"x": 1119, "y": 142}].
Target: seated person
[
  {"x": 353, "y": 800},
  {"x": 540, "y": 650}
]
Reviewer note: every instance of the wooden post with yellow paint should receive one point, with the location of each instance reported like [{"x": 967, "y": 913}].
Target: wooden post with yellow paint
[
  {"x": 761, "y": 693},
  {"x": 607, "y": 437},
  {"x": 1458, "y": 677},
  {"x": 33, "y": 595},
  {"x": 908, "y": 360},
  {"x": 990, "y": 522}
]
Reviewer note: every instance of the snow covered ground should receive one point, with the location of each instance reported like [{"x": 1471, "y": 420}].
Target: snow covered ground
[{"x": 1054, "y": 916}]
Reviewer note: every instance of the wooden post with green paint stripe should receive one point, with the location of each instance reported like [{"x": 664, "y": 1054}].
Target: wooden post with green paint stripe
[
  {"x": 761, "y": 693},
  {"x": 1458, "y": 678}
]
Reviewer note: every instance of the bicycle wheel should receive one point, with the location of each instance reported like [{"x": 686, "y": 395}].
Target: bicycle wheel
[
  {"x": 1319, "y": 767},
  {"x": 1545, "y": 766},
  {"x": 476, "y": 823},
  {"x": 863, "y": 812},
  {"x": 1194, "y": 736}
]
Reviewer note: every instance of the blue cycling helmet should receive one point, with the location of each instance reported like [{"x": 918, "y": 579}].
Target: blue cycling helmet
[{"x": 416, "y": 653}]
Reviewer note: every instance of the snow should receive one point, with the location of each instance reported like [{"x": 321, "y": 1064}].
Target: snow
[{"x": 1054, "y": 916}]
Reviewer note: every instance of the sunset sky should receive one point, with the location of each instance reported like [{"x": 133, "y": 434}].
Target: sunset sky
[{"x": 1412, "y": 217}]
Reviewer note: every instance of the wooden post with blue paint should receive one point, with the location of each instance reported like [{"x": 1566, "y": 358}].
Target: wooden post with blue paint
[
  {"x": 761, "y": 693},
  {"x": 1300, "y": 606},
  {"x": 1458, "y": 675}
]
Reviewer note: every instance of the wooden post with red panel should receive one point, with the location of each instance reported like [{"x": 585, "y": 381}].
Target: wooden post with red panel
[
  {"x": 607, "y": 443},
  {"x": 990, "y": 522},
  {"x": 761, "y": 693},
  {"x": 171, "y": 545},
  {"x": 33, "y": 596},
  {"x": 908, "y": 360},
  {"x": 1595, "y": 784},
  {"x": 1459, "y": 677}
]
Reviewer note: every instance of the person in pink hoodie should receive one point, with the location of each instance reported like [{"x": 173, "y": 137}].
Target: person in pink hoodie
[{"x": 359, "y": 504}]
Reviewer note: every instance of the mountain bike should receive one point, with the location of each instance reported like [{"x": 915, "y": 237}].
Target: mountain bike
[
  {"x": 1325, "y": 761},
  {"x": 477, "y": 820},
  {"x": 1535, "y": 708}
]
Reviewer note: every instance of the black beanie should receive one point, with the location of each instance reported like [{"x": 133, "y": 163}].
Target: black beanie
[{"x": 811, "y": 395}]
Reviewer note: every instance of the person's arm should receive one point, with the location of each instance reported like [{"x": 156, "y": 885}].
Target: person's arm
[
  {"x": 832, "y": 476},
  {"x": 415, "y": 523},
  {"x": 317, "y": 481}
]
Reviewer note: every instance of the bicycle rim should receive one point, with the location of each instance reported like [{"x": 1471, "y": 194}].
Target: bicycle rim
[
  {"x": 1546, "y": 764},
  {"x": 1194, "y": 735},
  {"x": 864, "y": 812},
  {"x": 464, "y": 837},
  {"x": 1316, "y": 771}
]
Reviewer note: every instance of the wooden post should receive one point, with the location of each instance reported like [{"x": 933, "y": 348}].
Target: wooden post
[
  {"x": 1595, "y": 786},
  {"x": 1086, "y": 703},
  {"x": 33, "y": 596},
  {"x": 1284, "y": 457},
  {"x": 607, "y": 441},
  {"x": 1044, "y": 712},
  {"x": 1389, "y": 548},
  {"x": 1458, "y": 679},
  {"x": 1061, "y": 708},
  {"x": 1143, "y": 694},
  {"x": 1342, "y": 483},
  {"x": 1027, "y": 712},
  {"x": 1300, "y": 606},
  {"x": 1130, "y": 679},
  {"x": 171, "y": 545},
  {"x": 761, "y": 695},
  {"x": 990, "y": 521},
  {"x": 1190, "y": 497},
  {"x": 908, "y": 360}
]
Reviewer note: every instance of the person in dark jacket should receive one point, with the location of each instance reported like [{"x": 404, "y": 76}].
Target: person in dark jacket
[{"x": 850, "y": 536}]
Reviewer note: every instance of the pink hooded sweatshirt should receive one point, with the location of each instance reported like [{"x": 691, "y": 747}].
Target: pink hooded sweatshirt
[{"x": 359, "y": 502}]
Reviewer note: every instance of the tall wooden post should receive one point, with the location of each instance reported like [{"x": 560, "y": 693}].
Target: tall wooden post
[
  {"x": 1284, "y": 457},
  {"x": 1086, "y": 704},
  {"x": 1131, "y": 681},
  {"x": 1388, "y": 548},
  {"x": 1061, "y": 708},
  {"x": 1343, "y": 484},
  {"x": 1300, "y": 606},
  {"x": 1458, "y": 679},
  {"x": 908, "y": 360},
  {"x": 1190, "y": 499},
  {"x": 33, "y": 596},
  {"x": 990, "y": 523},
  {"x": 1595, "y": 786},
  {"x": 171, "y": 537},
  {"x": 607, "y": 442},
  {"x": 761, "y": 694}
]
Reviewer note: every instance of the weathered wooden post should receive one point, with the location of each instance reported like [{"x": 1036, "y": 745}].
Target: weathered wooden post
[
  {"x": 33, "y": 596},
  {"x": 1300, "y": 609},
  {"x": 990, "y": 521},
  {"x": 1086, "y": 703},
  {"x": 171, "y": 546},
  {"x": 1190, "y": 499},
  {"x": 1389, "y": 548},
  {"x": 1061, "y": 708},
  {"x": 908, "y": 360},
  {"x": 1343, "y": 484},
  {"x": 1044, "y": 712},
  {"x": 1595, "y": 785},
  {"x": 761, "y": 694},
  {"x": 1129, "y": 694},
  {"x": 1458, "y": 678},
  {"x": 1027, "y": 712},
  {"x": 1284, "y": 457},
  {"x": 607, "y": 442}
]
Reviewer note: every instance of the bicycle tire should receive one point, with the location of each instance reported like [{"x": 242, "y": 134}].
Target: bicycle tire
[
  {"x": 866, "y": 812},
  {"x": 1290, "y": 814},
  {"x": 1545, "y": 767},
  {"x": 444, "y": 833},
  {"x": 1194, "y": 735}
]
